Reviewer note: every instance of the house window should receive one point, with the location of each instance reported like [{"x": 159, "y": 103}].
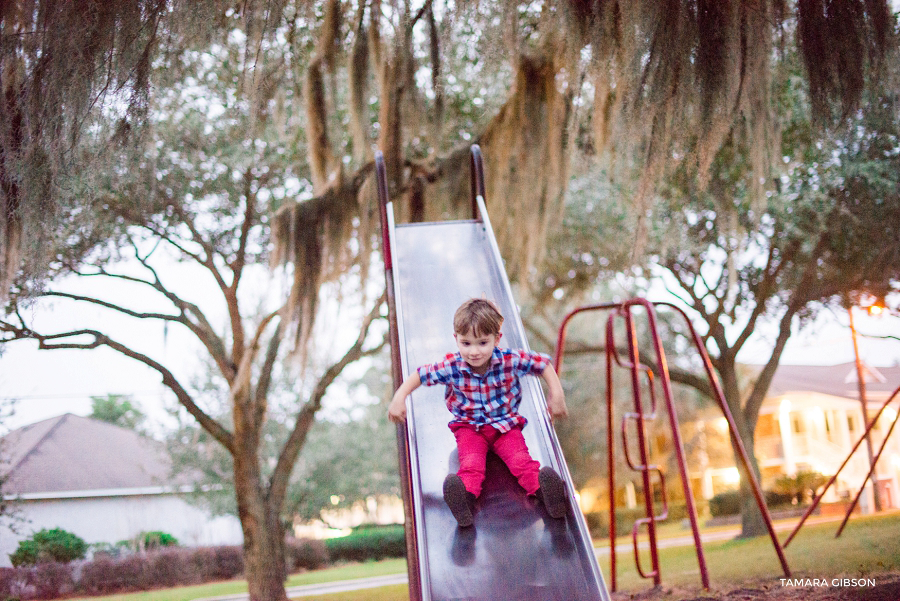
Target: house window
[
  {"x": 797, "y": 423},
  {"x": 851, "y": 423}
]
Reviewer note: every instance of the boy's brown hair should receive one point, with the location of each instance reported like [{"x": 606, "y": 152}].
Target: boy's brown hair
[{"x": 478, "y": 315}]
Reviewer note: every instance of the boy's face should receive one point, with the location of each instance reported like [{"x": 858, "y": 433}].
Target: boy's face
[{"x": 477, "y": 350}]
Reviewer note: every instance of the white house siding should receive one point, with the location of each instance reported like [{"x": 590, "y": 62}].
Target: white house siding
[{"x": 111, "y": 519}]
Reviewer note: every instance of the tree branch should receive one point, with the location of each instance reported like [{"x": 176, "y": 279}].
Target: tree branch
[
  {"x": 265, "y": 375},
  {"x": 237, "y": 266},
  {"x": 765, "y": 290},
  {"x": 46, "y": 342},
  {"x": 799, "y": 299},
  {"x": 240, "y": 388},
  {"x": 200, "y": 326},
  {"x": 162, "y": 235},
  {"x": 421, "y": 12},
  {"x": 291, "y": 450},
  {"x": 120, "y": 309}
]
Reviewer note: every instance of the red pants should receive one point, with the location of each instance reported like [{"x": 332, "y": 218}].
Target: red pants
[{"x": 473, "y": 446}]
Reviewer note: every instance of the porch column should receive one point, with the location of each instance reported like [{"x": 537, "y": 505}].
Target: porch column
[{"x": 787, "y": 446}]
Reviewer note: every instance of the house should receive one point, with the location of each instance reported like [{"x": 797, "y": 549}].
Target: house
[
  {"x": 812, "y": 417},
  {"x": 102, "y": 482},
  {"x": 809, "y": 421}
]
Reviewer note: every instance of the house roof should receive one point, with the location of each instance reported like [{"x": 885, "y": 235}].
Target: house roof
[
  {"x": 78, "y": 454},
  {"x": 836, "y": 380}
]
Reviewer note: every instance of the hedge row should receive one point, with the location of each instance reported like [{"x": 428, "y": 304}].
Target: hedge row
[
  {"x": 145, "y": 571},
  {"x": 729, "y": 502},
  {"x": 368, "y": 543},
  {"x": 723, "y": 504}
]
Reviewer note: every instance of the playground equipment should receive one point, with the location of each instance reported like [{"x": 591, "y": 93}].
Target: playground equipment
[
  {"x": 625, "y": 312},
  {"x": 514, "y": 550},
  {"x": 865, "y": 434}
]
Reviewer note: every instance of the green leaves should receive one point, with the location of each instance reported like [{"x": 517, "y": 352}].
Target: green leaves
[
  {"x": 117, "y": 409},
  {"x": 49, "y": 545}
]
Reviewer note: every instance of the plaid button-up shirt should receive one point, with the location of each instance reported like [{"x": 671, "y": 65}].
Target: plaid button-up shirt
[{"x": 489, "y": 400}]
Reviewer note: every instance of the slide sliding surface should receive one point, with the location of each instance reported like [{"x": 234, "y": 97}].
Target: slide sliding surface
[{"x": 515, "y": 550}]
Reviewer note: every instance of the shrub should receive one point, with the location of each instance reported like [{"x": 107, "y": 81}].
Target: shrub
[
  {"x": 170, "y": 567},
  {"x": 229, "y": 562},
  {"x": 109, "y": 550},
  {"x": 108, "y": 575},
  {"x": 47, "y": 580},
  {"x": 156, "y": 539},
  {"x": 801, "y": 486},
  {"x": 52, "y": 580},
  {"x": 777, "y": 499},
  {"x": 147, "y": 541},
  {"x": 12, "y": 581},
  {"x": 166, "y": 567},
  {"x": 305, "y": 554},
  {"x": 725, "y": 503},
  {"x": 368, "y": 543},
  {"x": 49, "y": 545}
]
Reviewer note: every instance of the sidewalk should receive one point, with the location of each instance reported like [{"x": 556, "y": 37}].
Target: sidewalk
[{"x": 340, "y": 586}]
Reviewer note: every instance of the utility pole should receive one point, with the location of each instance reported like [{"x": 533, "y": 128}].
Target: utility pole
[{"x": 861, "y": 379}]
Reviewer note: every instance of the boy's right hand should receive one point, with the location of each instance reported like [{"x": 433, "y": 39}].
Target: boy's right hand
[{"x": 397, "y": 409}]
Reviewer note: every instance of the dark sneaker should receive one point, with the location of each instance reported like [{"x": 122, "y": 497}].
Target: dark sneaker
[
  {"x": 552, "y": 492},
  {"x": 460, "y": 501}
]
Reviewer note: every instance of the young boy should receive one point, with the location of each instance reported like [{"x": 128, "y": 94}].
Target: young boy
[{"x": 483, "y": 394}]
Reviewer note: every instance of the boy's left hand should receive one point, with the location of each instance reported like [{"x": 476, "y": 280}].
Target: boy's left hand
[{"x": 557, "y": 408}]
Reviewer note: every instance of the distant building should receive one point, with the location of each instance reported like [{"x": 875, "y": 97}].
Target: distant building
[
  {"x": 812, "y": 417},
  {"x": 810, "y": 420},
  {"x": 102, "y": 482}
]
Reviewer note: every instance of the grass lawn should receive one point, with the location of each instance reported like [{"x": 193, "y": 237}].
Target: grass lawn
[
  {"x": 343, "y": 572},
  {"x": 867, "y": 546}
]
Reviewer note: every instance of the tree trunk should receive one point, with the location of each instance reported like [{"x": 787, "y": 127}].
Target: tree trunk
[
  {"x": 258, "y": 510},
  {"x": 264, "y": 562},
  {"x": 752, "y": 522}
]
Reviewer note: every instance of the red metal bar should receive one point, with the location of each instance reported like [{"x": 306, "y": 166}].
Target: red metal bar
[
  {"x": 612, "y": 356},
  {"x": 476, "y": 182},
  {"x": 561, "y": 335},
  {"x": 869, "y": 475},
  {"x": 631, "y": 336},
  {"x": 610, "y": 443},
  {"x": 679, "y": 448},
  {"x": 818, "y": 498},
  {"x": 666, "y": 384},
  {"x": 412, "y": 556},
  {"x": 624, "y": 427},
  {"x": 736, "y": 440},
  {"x": 649, "y": 520},
  {"x": 640, "y": 419}
]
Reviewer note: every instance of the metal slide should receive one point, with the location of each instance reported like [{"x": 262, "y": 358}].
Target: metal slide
[{"x": 515, "y": 550}]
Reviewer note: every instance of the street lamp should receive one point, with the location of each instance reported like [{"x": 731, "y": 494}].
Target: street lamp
[{"x": 861, "y": 380}]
